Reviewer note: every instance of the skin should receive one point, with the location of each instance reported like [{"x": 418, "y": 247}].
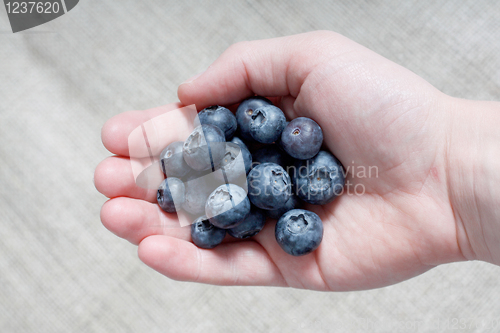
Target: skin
[{"x": 436, "y": 198}]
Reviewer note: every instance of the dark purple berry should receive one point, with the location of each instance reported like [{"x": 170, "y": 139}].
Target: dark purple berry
[{"x": 302, "y": 138}]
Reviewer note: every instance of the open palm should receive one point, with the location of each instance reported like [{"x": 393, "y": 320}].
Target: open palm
[{"x": 384, "y": 123}]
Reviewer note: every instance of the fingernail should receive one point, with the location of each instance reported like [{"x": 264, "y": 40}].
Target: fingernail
[{"x": 192, "y": 78}]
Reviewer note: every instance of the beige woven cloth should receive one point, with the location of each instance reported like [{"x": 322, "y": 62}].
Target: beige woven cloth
[{"x": 62, "y": 271}]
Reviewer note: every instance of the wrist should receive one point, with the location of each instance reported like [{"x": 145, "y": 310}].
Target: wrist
[{"x": 473, "y": 157}]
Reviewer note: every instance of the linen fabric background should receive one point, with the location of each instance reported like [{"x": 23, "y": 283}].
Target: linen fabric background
[{"x": 62, "y": 271}]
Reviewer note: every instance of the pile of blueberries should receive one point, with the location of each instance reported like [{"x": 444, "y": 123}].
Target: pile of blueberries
[{"x": 234, "y": 171}]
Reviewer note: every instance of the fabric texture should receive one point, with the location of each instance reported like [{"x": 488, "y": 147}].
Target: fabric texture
[{"x": 62, "y": 271}]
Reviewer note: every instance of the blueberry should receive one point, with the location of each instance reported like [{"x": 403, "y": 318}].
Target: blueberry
[
  {"x": 245, "y": 155},
  {"x": 206, "y": 235},
  {"x": 299, "y": 232},
  {"x": 251, "y": 225},
  {"x": 235, "y": 165},
  {"x": 239, "y": 142},
  {"x": 199, "y": 185},
  {"x": 172, "y": 160},
  {"x": 244, "y": 114},
  {"x": 271, "y": 154},
  {"x": 292, "y": 203},
  {"x": 302, "y": 138},
  {"x": 218, "y": 116},
  {"x": 204, "y": 148},
  {"x": 269, "y": 186},
  {"x": 267, "y": 123},
  {"x": 227, "y": 206},
  {"x": 318, "y": 180},
  {"x": 171, "y": 194}
]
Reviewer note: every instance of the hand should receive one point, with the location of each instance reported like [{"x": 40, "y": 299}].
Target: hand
[{"x": 388, "y": 127}]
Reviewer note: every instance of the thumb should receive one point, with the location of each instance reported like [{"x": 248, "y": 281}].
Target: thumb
[{"x": 271, "y": 67}]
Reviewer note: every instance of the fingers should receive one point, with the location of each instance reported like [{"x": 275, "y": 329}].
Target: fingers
[
  {"x": 272, "y": 67},
  {"x": 256, "y": 261},
  {"x": 238, "y": 263},
  {"x": 286, "y": 104},
  {"x": 134, "y": 220},
  {"x": 114, "y": 178},
  {"x": 144, "y": 133}
]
